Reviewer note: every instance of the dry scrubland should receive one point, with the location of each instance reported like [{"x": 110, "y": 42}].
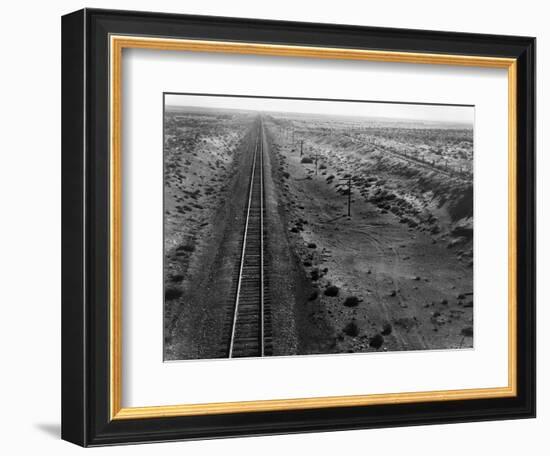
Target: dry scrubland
[
  {"x": 199, "y": 161},
  {"x": 397, "y": 274}
]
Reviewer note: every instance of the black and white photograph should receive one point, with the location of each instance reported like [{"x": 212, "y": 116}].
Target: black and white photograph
[
  {"x": 303, "y": 227},
  {"x": 275, "y": 228}
]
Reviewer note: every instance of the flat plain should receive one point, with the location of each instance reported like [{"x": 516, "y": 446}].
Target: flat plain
[{"x": 367, "y": 230}]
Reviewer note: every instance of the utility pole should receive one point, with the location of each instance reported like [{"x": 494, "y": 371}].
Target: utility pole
[
  {"x": 316, "y": 161},
  {"x": 301, "y": 147},
  {"x": 349, "y": 196},
  {"x": 349, "y": 193}
]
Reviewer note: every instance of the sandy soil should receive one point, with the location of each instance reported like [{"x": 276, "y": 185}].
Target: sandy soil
[
  {"x": 203, "y": 162},
  {"x": 397, "y": 274},
  {"x": 203, "y": 247}
]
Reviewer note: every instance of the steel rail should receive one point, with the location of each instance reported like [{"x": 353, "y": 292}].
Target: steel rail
[
  {"x": 261, "y": 149},
  {"x": 258, "y": 150}
]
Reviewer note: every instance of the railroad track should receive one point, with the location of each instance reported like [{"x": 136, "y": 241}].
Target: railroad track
[{"x": 249, "y": 315}]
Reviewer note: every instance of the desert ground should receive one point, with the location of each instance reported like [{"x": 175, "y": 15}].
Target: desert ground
[
  {"x": 201, "y": 155},
  {"x": 394, "y": 274}
]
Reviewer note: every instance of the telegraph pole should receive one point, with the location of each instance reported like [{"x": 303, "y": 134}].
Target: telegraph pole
[
  {"x": 349, "y": 193},
  {"x": 316, "y": 161},
  {"x": 301, "y": 147},
  {"x": 349, "y": 196}
]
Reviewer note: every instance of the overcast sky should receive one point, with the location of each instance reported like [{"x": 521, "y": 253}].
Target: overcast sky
[{"x": 431, "y": 113}]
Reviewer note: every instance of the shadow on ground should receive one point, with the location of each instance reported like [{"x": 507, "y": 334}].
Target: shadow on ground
[{"x": 51, "y": 429}]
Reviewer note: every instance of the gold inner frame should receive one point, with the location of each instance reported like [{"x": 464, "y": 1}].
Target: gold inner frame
[{"x": 117, "y": 44}]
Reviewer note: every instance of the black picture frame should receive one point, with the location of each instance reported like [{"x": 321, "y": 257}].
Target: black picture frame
[{"x": 85, "y": 228}]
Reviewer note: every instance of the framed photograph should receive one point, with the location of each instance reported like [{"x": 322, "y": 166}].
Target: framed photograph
[{"x": 279, "y": 227}]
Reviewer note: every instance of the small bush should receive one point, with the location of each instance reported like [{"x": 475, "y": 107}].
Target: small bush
[
  {"x": 468, "y": 331},
  {"x": 313, "y": 296},
  {"x": 387, "y": 329},
  {"x": 376, "y": 341},
  {"x": 172, "y": 293},
  {"x": 307, "y": 160},
  {"x": 351, "y": 301},
  {"x": 186, "y": 248},
  {"x": 332, "y": 290},
  {"x": 176, "y": 278},
  {"x": 351, "y": 329},
  {"x": 312, "y": 245}
]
